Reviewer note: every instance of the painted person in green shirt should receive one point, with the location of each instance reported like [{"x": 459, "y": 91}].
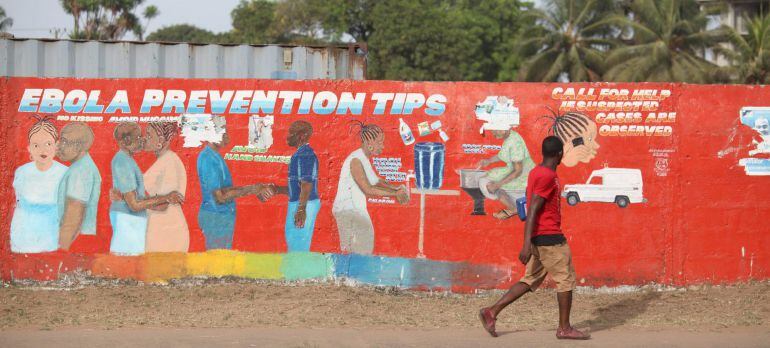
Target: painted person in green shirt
[{"x": 509, "y": 182}]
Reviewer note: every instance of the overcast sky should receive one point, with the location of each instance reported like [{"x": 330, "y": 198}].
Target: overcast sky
[{"x": 40, "y": 18}]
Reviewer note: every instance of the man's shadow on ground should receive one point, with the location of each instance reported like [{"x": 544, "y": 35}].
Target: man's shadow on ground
[
  {"x": 613, "y": 315},
  {"x": 618, "y": 313}
]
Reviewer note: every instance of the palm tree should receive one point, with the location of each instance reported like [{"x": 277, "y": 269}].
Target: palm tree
[
  {"x": 102, "y": 19},
  {"x": 5, "y": 22},
  {"x": 749, "y": 54},
  {"x": 149, "y": 13},
  {"x": 567, "y": 42},
  {"x": 669, "y": 41}
]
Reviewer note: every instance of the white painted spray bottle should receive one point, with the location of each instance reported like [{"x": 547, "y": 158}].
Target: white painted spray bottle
[
  {"x": 437, "y": 126},
  {"x": 406, "y": 133}
]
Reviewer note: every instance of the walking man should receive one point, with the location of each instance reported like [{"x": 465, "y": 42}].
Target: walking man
[{"x": 545, "y": 250}]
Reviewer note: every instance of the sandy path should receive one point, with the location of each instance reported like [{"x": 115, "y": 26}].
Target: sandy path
[
  {"x": 246, "y": 312},
  {"x": 282, "y": 337}
]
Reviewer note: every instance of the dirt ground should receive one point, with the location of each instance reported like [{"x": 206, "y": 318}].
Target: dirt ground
[{"x": 252, "y": 305}]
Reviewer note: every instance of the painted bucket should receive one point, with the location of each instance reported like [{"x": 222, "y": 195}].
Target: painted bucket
[
  {"x": 429, "y": 165},
  {"x": 521, "y": 208}
]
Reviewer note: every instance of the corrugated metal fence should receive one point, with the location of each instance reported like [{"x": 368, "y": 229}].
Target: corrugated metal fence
[{"x": 126, "y": 59}]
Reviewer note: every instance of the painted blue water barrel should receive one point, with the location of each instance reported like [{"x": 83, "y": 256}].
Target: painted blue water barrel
[{"x": 429, "y": 165}]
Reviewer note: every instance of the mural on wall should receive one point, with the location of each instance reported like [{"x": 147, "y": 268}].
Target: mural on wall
[
  {"x": 261, "y": 131},
  {"x": 426, "y": 128},
  {"x": 129, "y": 213},
  {"x": 662, "y": 161},
  {"x": 341, "y": 216},
  {"x": 497, "y": 111},
  {"x": 578, "y": 133},
  {"x": 167, "y": 229},
  {"x": 79, "y": 189},
  {"x": 357, "y": 181},
  {"x": 199, "y": 128},
  {"x": 35, "y": 221},
  {"x": 758, "y": 119},
  {"x": 302, "y": 189},
  {"x": 406, "y": 133},
  {"x": 609, "y": 185},
  {"x": 142, "y": 224},
  {"x": 216, "y": 216},
  {"x": 509, "y": 182}
]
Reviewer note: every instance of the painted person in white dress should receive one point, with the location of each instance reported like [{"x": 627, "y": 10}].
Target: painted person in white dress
[
  {"x": 35, "y": 221},
  {"x": 358, "y": 180}
]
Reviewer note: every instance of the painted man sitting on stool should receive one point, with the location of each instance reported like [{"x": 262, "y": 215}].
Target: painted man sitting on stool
[{"x": 506, "y": 183}]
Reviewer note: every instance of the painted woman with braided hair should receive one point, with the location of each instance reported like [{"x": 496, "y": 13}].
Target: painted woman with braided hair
[
  {"x": 35, "y": 222},
  {"x": 358, "y": 180},
  {"x": 167, "y": 229},
  {"x": 578, "y": 133}
]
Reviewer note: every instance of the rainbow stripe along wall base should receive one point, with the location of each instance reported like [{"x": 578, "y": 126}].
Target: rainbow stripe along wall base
[{"x": 363, "y": 269}]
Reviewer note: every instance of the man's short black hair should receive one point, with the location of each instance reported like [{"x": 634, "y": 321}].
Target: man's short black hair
[{"x": 552, "y": 146}]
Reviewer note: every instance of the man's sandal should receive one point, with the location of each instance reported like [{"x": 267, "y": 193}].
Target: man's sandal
[
  {"x": 571, "y": 333},
  {"x": 488, "y": 321}
]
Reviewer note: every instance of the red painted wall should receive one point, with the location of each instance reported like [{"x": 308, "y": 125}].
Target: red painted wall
[{"x": 705, "y": 220}]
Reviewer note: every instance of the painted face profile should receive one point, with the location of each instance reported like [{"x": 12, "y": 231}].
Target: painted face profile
[
  {"x": 377, "y": 144},
  {"x": 68, "y": 147},
  {"x": 578, "y": 133},
  {"x": 299, "y": 132},
  {"x": 76, "y": 138},
  {"x": 129, "y": 137},
  {"x": 762, "y": 126},
  {"x": 135, "y": 142},
  {"x": 500, "y": 134},
  {"x": 372, "y": 137},
  {"x": 152, "y": 141},
  {"x": 158, "y": 136},
  {"x": 42, "y": 143}
]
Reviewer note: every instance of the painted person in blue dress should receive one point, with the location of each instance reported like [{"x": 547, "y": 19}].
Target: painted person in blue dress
[
  {"x": 302, "y": 189},
  {"x": 216, "y": 216},
  {"x": 35, "y": 222},
  {"x": 78, "y": 193},
  {"x": 129, "y": 215}
]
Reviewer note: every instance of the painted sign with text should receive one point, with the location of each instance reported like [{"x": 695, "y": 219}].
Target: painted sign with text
[{"x": 382, "y": 182}]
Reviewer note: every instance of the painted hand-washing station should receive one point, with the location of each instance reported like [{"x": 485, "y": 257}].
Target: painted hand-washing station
[{"x": 428, "y": 176}]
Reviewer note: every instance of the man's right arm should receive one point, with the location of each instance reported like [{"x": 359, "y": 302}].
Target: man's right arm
[
  {"x": 359, "y": 176},
  {"x": 74, "y": 212},
  {"x": 487, "y": 161},
  {"x": 137, "y": 205},
  {"x": 211, "y": 177},
  {"x": 227, "y": 194}
]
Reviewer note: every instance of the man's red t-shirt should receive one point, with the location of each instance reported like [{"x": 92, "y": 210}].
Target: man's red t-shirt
[{"x": 544, "y": 182}]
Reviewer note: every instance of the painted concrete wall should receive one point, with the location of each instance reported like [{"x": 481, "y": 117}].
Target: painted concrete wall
[{"x": 668, "y": 181}]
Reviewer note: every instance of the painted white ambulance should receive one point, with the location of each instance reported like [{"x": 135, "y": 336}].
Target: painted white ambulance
[{"x": 610, "y": 185}]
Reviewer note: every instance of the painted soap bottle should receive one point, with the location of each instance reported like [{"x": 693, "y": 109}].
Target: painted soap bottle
[{"x": 406, "y": 133}]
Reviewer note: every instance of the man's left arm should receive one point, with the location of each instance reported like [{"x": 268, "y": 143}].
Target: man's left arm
[
  {"x": 518, "y": 167},
  {"x": 387, "y": 186},
  {"x": 307, "y": 172},
  {"x": 304, "y": 195},
  {"x": 78, "y": 190},
  {"x": 515, "y": 155},
  {"x": 74, "y": 213}
]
